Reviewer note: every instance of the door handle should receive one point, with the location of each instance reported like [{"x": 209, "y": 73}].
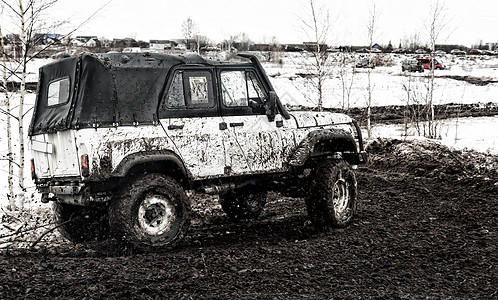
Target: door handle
[
  {"x": 173, "y": 127},
  {"x": 236, "y": 124}
]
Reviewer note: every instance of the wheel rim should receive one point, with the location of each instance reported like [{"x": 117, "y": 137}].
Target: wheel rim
[
  {"x": 341, "y": 199},
  {"x": 156, "y": 214}
]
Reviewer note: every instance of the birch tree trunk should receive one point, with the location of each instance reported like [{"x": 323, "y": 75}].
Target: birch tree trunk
[
  {"x": 371, "y": 26},
  {"x": 319, "y": 26},
  {"x": 12, "y": 203},
  {"x": 437, "y": 24},
  {"x": 24, "y": 53}
]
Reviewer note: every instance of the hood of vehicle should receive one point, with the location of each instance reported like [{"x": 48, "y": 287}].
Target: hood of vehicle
[{"x": 317, "y": 119}]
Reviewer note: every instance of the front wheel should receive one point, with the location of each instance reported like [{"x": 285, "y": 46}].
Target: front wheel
[
  {"x": 152, "y": 213},
  {"x": 333, "y": 194}
]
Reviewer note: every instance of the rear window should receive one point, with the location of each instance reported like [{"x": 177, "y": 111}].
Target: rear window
[{"x": 58, "y": 92}]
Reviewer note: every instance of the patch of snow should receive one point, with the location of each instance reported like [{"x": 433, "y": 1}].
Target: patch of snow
[{"x": 477, "y": 134}]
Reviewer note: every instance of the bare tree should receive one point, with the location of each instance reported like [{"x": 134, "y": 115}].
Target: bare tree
[
  {"x": 228, "y": 43},
  {"x": 8, "y": 157},
  {"x": 270, "y": 54},
  {"x": 190, "y": 31},
  {"x": 416, "y": 98},
  {"x": 25, "y": 16},
  {"x": 200, "y": 41},
  {"x": 435, "y": 26},
  {"x": 244, "y": 41},
  {"x": 346, "y": 76},
  {"x": 316, "y": 26},
  {"x": 412, "y": 42},
  {"x": 371, "y": 28}
]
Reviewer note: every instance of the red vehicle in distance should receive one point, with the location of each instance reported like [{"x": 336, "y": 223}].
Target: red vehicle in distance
[{"x": 426, "y": 63}]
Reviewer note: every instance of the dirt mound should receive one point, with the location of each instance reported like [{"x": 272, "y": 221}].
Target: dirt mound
[{"x": 432, "y": 160}]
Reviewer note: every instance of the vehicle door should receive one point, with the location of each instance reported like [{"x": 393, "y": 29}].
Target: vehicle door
[
  {"x": 243, "y": 110},
  {"x": 190, "y": 117},
  {"x": 55, "y": 153}
]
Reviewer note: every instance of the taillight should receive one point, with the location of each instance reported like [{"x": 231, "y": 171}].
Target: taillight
[
  {"x": 85, "y": 168},
  {"x": 33, "y": 173}
]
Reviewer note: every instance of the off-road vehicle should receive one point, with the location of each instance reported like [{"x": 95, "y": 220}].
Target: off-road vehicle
[
  {"x": 121, "y": 142},
  {"x": 412, "y": 65}
]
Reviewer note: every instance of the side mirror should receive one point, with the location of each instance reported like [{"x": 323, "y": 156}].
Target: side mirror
[{"x": 271, "y": 106}]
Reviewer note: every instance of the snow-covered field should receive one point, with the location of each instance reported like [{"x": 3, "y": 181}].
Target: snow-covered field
[
  {"x": 389, "y": 88},
  {"x": 389, "y": 83},
  {"x": 477, "y": 134}
]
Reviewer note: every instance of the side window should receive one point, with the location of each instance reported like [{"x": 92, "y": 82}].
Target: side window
[
  {"x": 241, "y": 89},
  {"x": 255, "y": 90},
  {"x": 58, "y": 92},
  {"x": 234, "y": 88},
  {"x": 189, "y": 89},
  {"x": 175, "y": 97}
]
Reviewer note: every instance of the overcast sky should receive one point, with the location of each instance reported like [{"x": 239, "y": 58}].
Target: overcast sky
[{"x": 468, "y": 22}]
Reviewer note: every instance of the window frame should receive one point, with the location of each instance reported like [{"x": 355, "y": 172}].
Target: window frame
[
  {"x": 241, "y": 110},
  {"x": 68, "y": 92},
  {"x": 189, "y": 109},
  {"x": 187, "y": 91}
]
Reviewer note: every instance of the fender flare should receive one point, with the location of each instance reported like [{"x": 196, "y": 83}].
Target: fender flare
[
  {"x": 144, "y": 157},
  {"x": 305, "y": 149}
]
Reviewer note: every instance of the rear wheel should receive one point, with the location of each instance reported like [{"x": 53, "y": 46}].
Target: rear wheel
[
  {"x": 247, "y": 203},
  {"x": 152, "y": 213},
  {"x": 81, "y": 224},
  {"x": 333, "y": 195}
]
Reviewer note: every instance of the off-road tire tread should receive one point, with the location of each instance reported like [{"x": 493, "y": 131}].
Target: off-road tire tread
[
  {"x": 81, "y": 224},
  {"x": 321, "y": 187},
  {"x": 121, "y": 218}
]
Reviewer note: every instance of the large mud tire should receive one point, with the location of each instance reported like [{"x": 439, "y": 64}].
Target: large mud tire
[
  {"x": 81, "y": 224},
  {"x": 333, "y": 194},
  {"x": 151, "y": 213},
  {"x": 246, "y": 203}
]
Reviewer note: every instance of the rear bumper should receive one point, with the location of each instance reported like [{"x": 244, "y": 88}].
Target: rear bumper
[{"x": 74, "y": 194}]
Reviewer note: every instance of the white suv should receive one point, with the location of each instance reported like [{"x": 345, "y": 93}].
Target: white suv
[{"x": 118, "y": 139}]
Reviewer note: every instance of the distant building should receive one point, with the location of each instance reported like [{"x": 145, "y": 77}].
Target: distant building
[
  {"x": 86, "y": 38},
  {"x": 92, "y": 43},
  {"x": 76, "y": 43},
  {"x": 261, "y": 47},
  {"x": 161, "y": 44},
  {"x": 46, "y": 39},
  {"x": 123, "y": 43},
  {"x": 377, "y": 46}
]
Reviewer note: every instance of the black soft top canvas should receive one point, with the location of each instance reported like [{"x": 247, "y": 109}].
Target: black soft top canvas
[{"x": 106, "y": 90}]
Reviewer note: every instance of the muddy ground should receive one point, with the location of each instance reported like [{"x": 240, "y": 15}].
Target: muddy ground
[{"x": 427, "y": 228}]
